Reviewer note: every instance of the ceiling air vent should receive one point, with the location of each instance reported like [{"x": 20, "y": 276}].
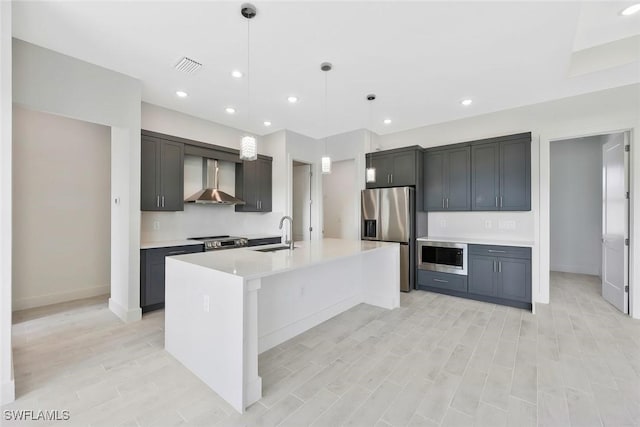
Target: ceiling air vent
[{"x": 188, "y": 65}]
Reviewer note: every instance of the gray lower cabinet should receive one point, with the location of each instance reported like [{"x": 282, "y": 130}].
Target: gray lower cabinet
[
  {"x": 447, "y": 184},
  {"x": 152, "y": 264},
  {"x": 434, "y": 280},
  {"x": 502, "y": 273},
  {"x": 254, "y": 185},
  {"x": 501, "y": 173},
  {"x": 162, "y": 175}
]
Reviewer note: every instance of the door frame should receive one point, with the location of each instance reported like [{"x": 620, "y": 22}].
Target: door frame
[
  {"x": 311, "y": 200},
  {"x": 544, "y": 266}
]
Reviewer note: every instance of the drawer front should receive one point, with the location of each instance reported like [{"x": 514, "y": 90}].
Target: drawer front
[
  {"x": 434, "y": 279},
  {"x": 500, "y": 251},
  {"x": 265, "y": 241}
]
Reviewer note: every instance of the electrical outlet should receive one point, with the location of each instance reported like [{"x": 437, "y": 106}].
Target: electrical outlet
[
  {"x": 156, "y": 225},
  {"x": 443, "y": 223},
  {"x": 205, "y": 303},
  {"x": 507, "y": 225},
  {"x": 488, "y": 224}
]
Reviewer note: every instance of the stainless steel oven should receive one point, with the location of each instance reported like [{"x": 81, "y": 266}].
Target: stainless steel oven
[{"x": 446, "y": 257}]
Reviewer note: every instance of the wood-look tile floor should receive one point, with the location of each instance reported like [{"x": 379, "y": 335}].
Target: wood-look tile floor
[{"x": 437, "y": 360}]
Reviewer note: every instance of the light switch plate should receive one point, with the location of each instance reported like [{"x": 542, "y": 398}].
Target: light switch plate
[
  {"x": 488, "y": 224},
  {"x": 507, "y": 225}
]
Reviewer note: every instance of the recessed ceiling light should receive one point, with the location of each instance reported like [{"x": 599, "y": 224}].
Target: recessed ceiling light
[
  {"x": 387, "y": 121},
  {"x": 181, "y": 93},
  {"x": 634, "y": 8},
  {"x": 236, "y": 74},
  {"x": 292, "y": 99},
  {"x": 230, "y": 110},
  {"x": 267, "y": 123},
  {"x": 466, "y": 102}
]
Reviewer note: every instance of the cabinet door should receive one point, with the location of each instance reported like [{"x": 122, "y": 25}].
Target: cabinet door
[
  {"x": 485, "y": 177},
  {"x": 482, "y": 275},
  {"x": 154, "y": 286},
  {"x": 149, "y": 186},
  {"x": 171, "y": 176},
  {"x": 247, "y": 186},
  {"x": 434, "y": 181},
  {"x": 380, "y": 162},
  {"x": 265, "y": 177},
  {"x": 515, "y": 175},
  {"x": 514, "y": 279},
  {"x": 403, "y": 169},
  {"x": 457, "y": 180}
]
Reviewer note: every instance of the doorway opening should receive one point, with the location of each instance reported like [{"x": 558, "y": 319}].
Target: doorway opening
[
  {"x": 340, "y": 201},
  {"x": 589, "y": 221},
  {"x": 302, "y": 200}
]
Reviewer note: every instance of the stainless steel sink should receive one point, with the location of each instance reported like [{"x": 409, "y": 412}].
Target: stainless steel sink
[{"x": 277, "y": 248}]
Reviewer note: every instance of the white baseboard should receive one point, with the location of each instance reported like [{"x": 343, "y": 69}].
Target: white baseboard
[
  {"x": 577, "y": 269},
  {"x": 58, "y": 297},
  {"x": 124, "y": 314},
  {"x": 8, "y": 392}
]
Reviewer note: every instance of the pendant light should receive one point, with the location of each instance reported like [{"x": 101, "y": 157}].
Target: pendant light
[
  {"x": 248, "y": 145},
  {"x": 370, "y": 171},
  {"x": 326, "y": 160}
]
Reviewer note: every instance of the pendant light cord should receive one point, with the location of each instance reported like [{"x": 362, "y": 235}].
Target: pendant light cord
[
  {"x": 248, "y": 73},
  {"x": 326, "y": 112}
]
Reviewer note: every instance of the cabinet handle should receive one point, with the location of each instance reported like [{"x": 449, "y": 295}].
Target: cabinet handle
[
  {"x": 391, "y": 178},
  {"x": 496, "y": 201},
  {"x": 443, "y": 203},
  {"x": 440, "y": 280},
  {"x": 500, "y": 201},
  {"x": 495, "y": 251},
  {"x": 176, "y": 253},
  {"x": 163, "y": 201},
  {"x": 499, "y": 266},
  {"x": 447, "y": 203},
  {"x": 158, "y": 202},
  {"x": 494, "y": 265}
]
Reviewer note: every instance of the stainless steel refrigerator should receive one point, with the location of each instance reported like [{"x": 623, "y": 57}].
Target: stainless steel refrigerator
[{"x": 388, "y": 214}]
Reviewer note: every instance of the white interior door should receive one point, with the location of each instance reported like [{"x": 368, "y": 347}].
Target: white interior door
[
  {"x": 615, "y": 222},
  {"x": 301, "y": 202}
]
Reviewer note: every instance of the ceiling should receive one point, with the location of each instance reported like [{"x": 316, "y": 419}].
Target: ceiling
[{"x": 420, "y": 58}]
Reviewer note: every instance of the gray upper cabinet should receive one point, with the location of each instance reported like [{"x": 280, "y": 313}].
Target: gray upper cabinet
[
  {"x": 396, "y": 168},
  {"x": 447, "y": 185},
  {"x": 162, "y": 175},
  {"x": 501, "y": 173},
  {"x": 254, "y": 185}
]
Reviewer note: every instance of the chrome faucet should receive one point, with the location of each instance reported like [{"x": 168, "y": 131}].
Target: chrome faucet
[{"x": 290, "y": 241}]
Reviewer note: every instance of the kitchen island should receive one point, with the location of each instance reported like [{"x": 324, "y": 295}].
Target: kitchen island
[{"x": 223, "y": 308}]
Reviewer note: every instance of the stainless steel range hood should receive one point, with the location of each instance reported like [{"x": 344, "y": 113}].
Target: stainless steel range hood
[{"x": 210, "y": 194}]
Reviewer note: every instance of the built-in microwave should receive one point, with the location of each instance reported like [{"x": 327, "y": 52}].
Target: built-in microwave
[{"x": 446, "y": 257}]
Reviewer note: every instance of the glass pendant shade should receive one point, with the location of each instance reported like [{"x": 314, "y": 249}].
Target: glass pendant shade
[
  {"x": 326, "y": 164},
  {"x": 371, "y": 175},
  {"x": 248, "y": 148}
]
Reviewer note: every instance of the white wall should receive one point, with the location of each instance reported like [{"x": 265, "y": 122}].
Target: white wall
[
  {"x": 61, "y": 189},
  {"x": 594, "y": 113},
  {"x": 205, "y": 220},
  {"x": 7, "y": 387},
  {"x": 301, "y": 209},
  {"x": 576, "y": 205},
  {"x": 340, "y": 208},
  {"x": 44, "y": 80}
]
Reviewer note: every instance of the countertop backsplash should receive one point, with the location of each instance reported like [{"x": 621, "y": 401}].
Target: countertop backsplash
[
  {"x": 206, "y": 220},
  {"x": 508, "y": 226}
]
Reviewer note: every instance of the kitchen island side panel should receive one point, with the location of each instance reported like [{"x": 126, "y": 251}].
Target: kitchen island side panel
[{"x": 204, "y": 326}]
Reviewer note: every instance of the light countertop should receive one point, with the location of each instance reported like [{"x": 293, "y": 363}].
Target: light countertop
[
  {"x": 478, "y": 241},
  {"x": 169, "y": 243},
  {"x": 250, "y": 263}
]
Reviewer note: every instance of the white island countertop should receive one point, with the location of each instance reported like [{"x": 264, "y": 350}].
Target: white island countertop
[
  {"x": 169, "y": 243},
  {"x": 250, "y": 263},
  {"x": 477, "y": 241}
]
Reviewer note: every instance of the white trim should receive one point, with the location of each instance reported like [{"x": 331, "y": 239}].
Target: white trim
[
  {"x": 124, "y": 314},
  {"x": 58, "y": 297},
  {"x": 8, "y": 392}
]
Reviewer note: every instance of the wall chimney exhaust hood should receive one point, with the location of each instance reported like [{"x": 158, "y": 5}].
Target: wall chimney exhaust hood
[{"x": 211, "y": 194}]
